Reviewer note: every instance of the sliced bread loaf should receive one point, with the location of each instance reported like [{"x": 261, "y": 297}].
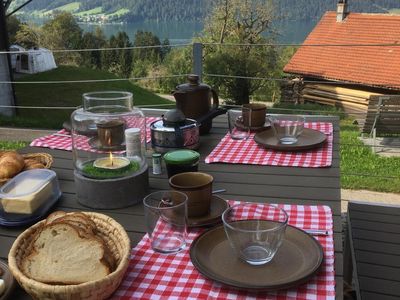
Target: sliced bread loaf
[{"x": 61, "y": 255}]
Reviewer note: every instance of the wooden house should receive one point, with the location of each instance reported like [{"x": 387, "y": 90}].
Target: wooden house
[{"x": 356, "y": 56}]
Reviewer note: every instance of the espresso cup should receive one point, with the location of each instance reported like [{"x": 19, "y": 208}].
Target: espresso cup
[
  {"x": 111, "y": 132},
  {"x": 198, "y": 187},
  {"x": 256, "y": 112}
]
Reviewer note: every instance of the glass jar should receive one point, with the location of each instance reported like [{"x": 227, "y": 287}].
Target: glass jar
[
  {"x": 99, "y": 143},
  {"x": 180, "y": 161}
]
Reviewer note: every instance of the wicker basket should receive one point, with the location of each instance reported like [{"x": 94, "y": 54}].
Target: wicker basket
[
  {"x": 111, "y": 232},
  {"x": 43, "y": 158}
]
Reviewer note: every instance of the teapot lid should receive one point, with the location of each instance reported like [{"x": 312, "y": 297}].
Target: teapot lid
[
  {"x": 192, "y": 85},
  {"x": 173, "y": 117}
]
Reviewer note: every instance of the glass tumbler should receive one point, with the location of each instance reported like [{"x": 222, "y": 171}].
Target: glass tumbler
[
  {"x": 255, "y": 231},
  {"x": 166, "y": 220},
  {"x": 239, "y": 127},
  {"x": 287, "y": 128}
]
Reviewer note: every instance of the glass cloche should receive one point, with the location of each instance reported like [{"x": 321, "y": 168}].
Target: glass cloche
[{"x": 108, "y": 136}]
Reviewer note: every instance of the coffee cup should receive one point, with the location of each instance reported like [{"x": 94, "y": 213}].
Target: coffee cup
[
  {"x": 256, "y": 112},
  {"x": 198, "y": 187},
  {"x": 111, "y": 132}
]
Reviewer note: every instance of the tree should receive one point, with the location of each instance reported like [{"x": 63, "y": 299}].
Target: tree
[
  {"x": 145, "y": 59},
  {"x": 243, "y": 22},
  {"x": 93, "y": 40},
  {"x": 124, "y": 57},
  {"x": 62, "y": 32},
  {"x": 146, "y": 38},
  {"x": 118, "y": 61},
  {"x": 28, "y": 36},
  {"x": 177, "y": 61},
  {"x": 13, "y": 25}
]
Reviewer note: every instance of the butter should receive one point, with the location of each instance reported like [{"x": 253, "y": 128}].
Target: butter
[{"x": 28, "y": 191}]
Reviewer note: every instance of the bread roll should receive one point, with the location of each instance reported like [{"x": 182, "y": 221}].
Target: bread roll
[{"x": 11, "y": 163}]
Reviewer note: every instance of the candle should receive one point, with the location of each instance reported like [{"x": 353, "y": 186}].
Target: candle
[{"x": 111, "y": 163}]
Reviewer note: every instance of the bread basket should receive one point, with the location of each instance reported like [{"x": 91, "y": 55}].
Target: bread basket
[
  {"x": 43, "y": 158},
  {"x": 118, "y": 242}
]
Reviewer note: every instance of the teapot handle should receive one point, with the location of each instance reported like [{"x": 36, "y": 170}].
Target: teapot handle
[{"x": 215, "y": 98}]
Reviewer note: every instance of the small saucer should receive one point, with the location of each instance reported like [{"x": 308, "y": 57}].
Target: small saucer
[
  {"x": 239, "y": 124},
  {"x": 218, "y": 206},
  {"x": 94, "y": 142}
]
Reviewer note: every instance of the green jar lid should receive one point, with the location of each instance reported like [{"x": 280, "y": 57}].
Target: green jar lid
[{"x": 178, "y": 157}]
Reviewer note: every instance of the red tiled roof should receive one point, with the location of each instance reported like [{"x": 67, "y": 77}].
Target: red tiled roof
[{"x": 368, "y": 65}]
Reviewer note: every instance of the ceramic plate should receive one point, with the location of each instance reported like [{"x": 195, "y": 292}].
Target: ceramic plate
[
  {"x": 218, "y": 206},
  {"x": 308, "y": 139},
  {"x": 296, "y": 261},
  {"x": 6, "y": 275}
]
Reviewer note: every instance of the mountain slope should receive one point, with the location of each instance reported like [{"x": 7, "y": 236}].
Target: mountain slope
[{"x": 166, "y": 10}]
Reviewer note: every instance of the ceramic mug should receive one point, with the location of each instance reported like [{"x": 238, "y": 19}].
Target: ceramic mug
[
  {"x": 257, "y": 114},
  {"x": 111, "y": 132},
  {"x": 198, "y": 187}
]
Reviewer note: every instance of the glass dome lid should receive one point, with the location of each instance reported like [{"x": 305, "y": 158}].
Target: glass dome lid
[{"x": 99, "y": 142}]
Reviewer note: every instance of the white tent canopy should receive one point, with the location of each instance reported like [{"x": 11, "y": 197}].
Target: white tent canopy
[{"x": 33, "y": 60}]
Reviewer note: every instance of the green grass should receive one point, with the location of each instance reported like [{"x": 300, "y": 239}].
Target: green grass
[
  {"x": 119, "y": 12},
  {"x": 394, "y": 11},
  {"x": 70, "y": 7},
  {"x": 93, "y": 11},
  {"x": 95, "y": 172},
  {"x": 12, "y": 145},
  {"x": 66, "y": 95},
  {"x": 363, "y": 169}
]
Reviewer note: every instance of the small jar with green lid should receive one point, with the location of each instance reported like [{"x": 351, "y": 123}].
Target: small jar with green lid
[{"x": 180, "y": 161}]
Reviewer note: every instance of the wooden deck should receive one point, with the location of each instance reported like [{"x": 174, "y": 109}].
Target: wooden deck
[{"x": 316, "y": 186}]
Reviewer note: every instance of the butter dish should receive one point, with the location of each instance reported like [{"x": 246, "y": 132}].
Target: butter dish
[{"x": 28, "y": 196}]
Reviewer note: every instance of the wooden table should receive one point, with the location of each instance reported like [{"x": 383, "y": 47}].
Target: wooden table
[
  {"x": 373, "y": 250},
  {"x": 313, "y": 186}
]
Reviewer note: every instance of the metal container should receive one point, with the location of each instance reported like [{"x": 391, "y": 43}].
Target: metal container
[{"x": 174, "y": 132}]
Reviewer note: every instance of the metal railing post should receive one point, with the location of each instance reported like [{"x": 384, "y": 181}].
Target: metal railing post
[{"x": 198, "y": 59}]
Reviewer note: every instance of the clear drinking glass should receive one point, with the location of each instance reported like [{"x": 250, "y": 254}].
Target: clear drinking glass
[
  {"x": 166, "y": 219},
  {"x": 287, "y": 128},
  {"x": 239, "y": 128},
  {"x": 255, "y": 231}
]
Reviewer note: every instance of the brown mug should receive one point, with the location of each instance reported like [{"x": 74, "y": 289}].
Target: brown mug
[
  {"x": 198, "y": 187},
  {"x": 257, "y": 113},
  {"x": 111, "y": 132}
]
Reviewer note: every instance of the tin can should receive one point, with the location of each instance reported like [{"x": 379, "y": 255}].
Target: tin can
[{"x": 156, "y": 158}]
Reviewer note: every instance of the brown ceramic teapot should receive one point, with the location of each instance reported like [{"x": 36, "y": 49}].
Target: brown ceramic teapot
[{"x": 194, "y": 100}]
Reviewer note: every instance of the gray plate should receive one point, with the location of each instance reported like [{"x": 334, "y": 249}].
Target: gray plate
[
  {"x": 297, "y": 260},
  {"x": 8, "y": 280},
  {"x": 309, "y": 139}
]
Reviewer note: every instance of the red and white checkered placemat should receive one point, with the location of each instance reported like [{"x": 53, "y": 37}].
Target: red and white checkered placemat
[
  {"x": 62, "y": 139},
  {"x": 151, "y": 275},
  {"x": 249, "y": 152}
]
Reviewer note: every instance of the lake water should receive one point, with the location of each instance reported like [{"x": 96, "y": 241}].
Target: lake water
[{"x": 182, "y": 32}]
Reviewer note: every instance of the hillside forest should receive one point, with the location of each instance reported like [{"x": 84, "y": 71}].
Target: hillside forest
[{"x": 187, "y": 10}]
